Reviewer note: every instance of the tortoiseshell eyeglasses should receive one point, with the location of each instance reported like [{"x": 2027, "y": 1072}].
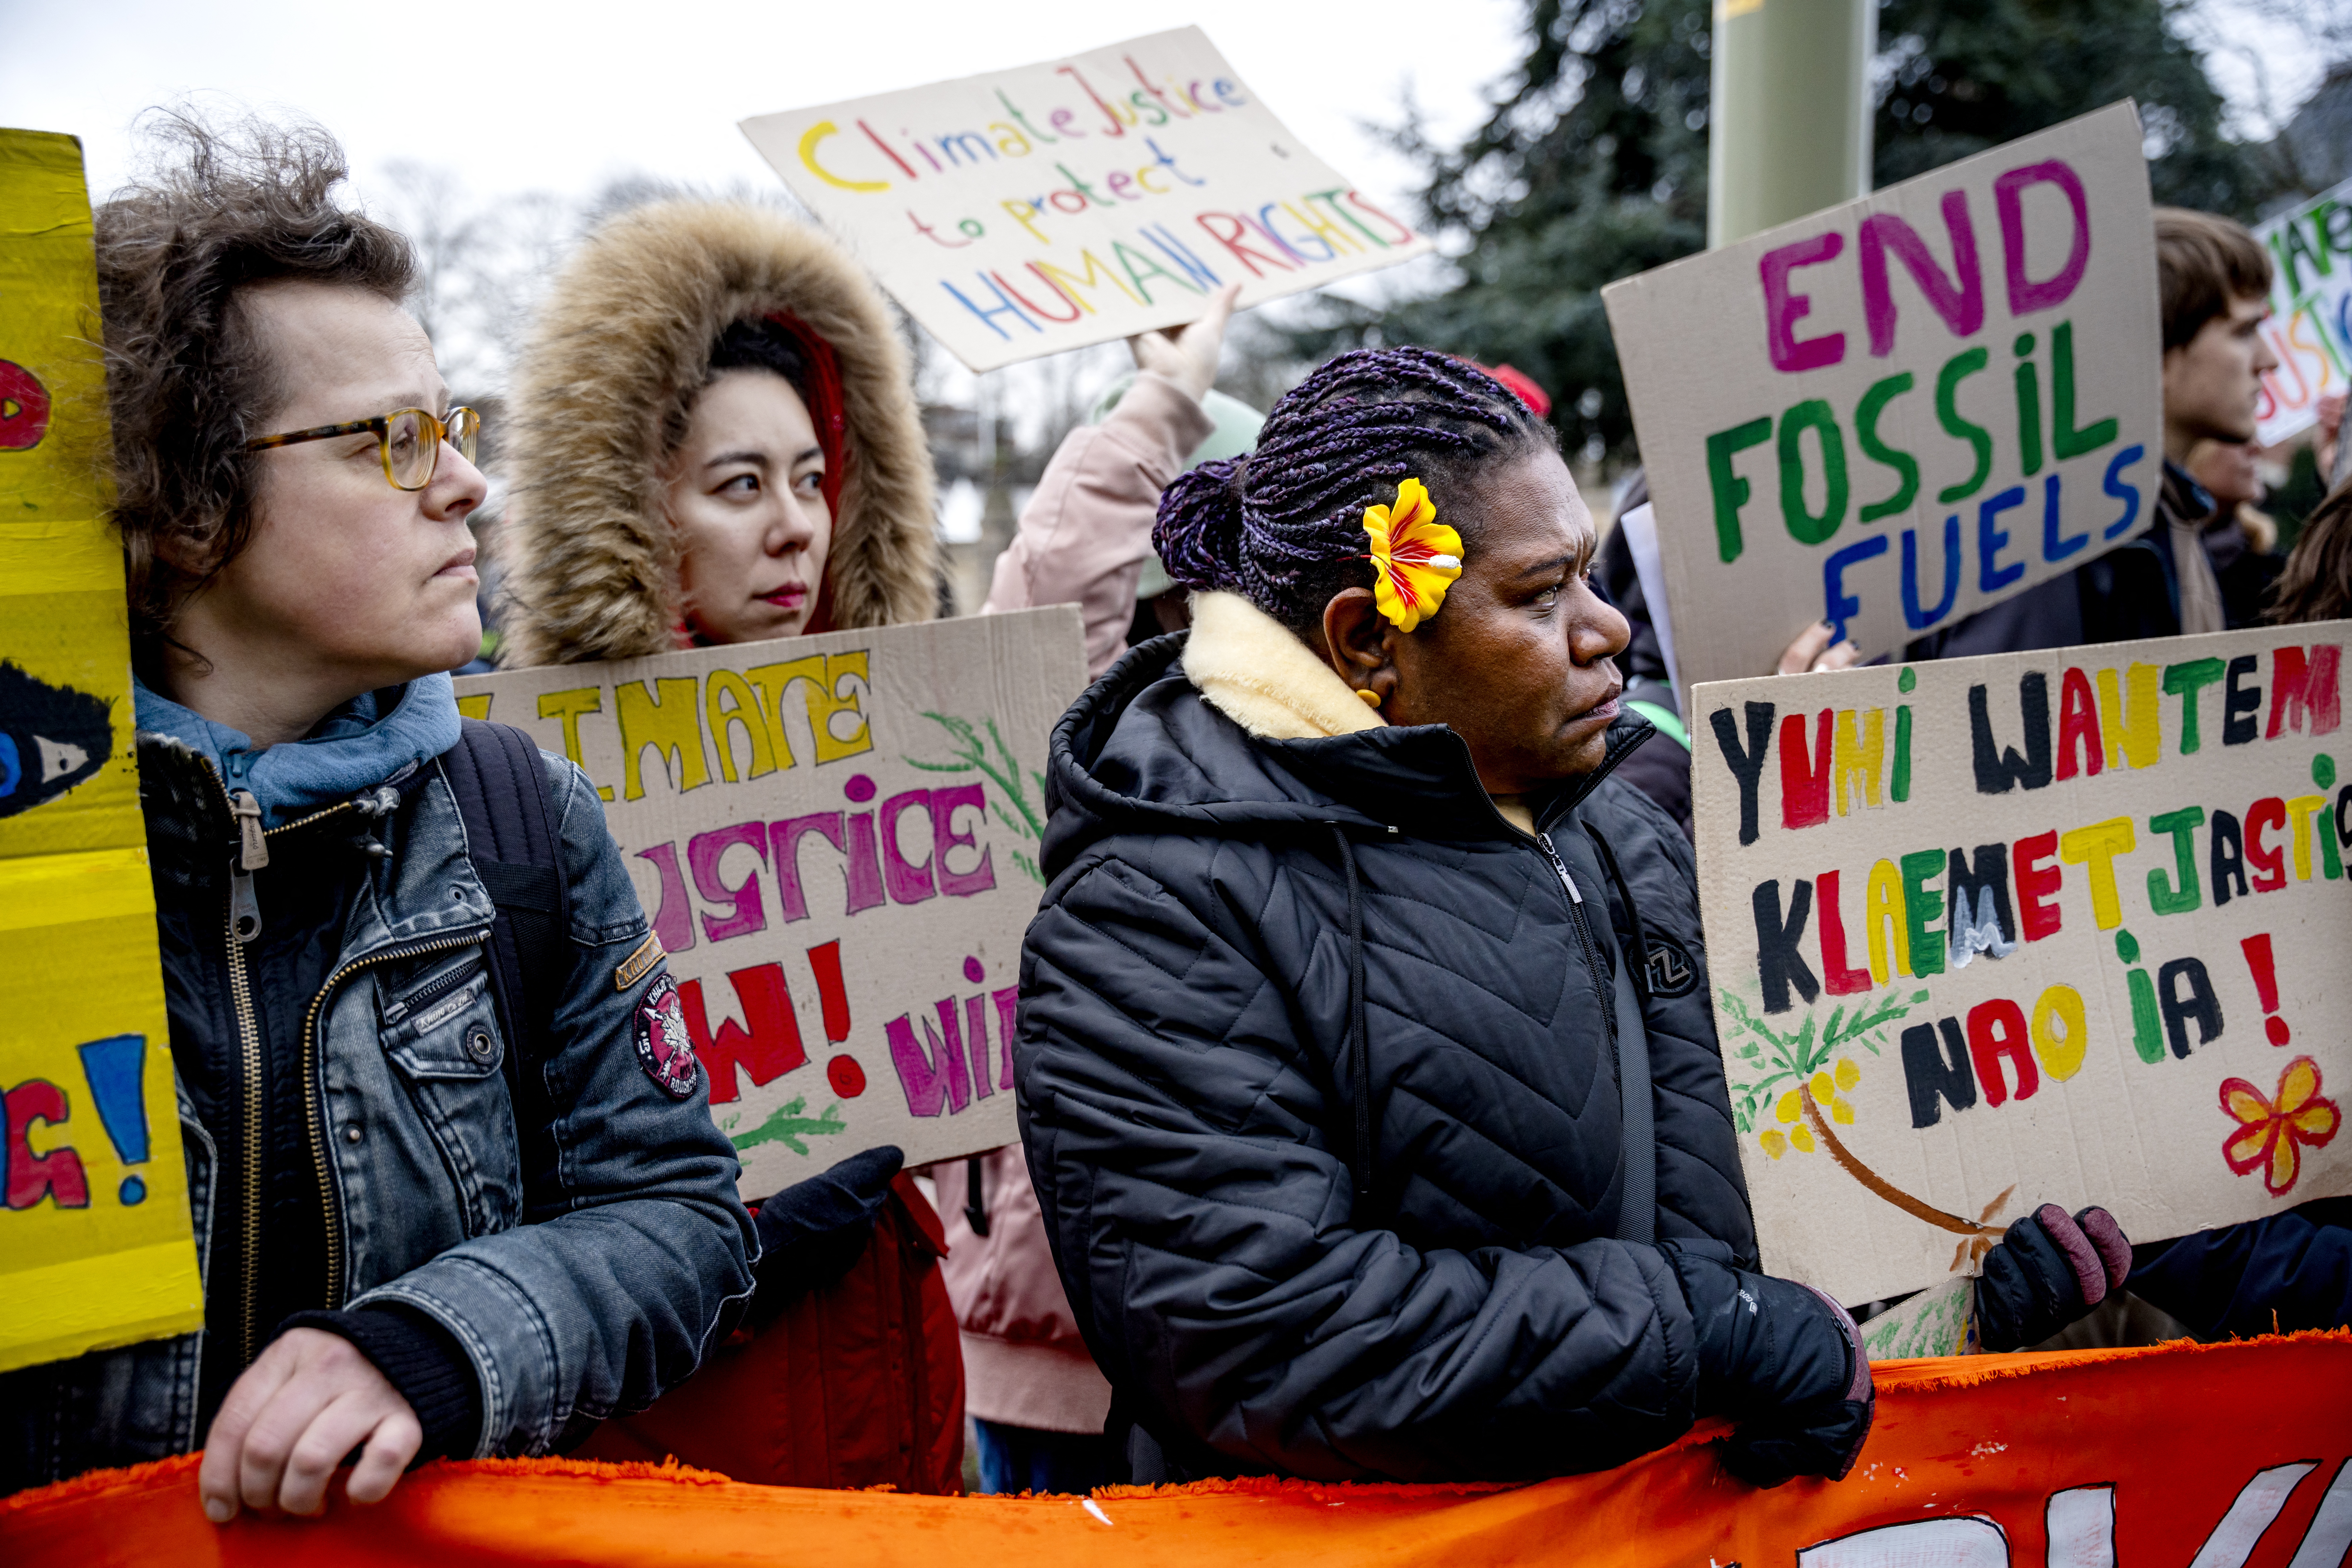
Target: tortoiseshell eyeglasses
[{"x": 408, "y": 439}]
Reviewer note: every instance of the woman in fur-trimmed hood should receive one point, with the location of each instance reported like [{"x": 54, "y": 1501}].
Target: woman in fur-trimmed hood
[
  {"x": 715, "y": 441},
  {"x": 648, "y": 316},
  {"x": 669, "y": 494}
]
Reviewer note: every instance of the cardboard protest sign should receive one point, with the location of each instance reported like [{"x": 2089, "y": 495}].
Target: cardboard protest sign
[
  {"x": 1028, "y": 211},
  {"x": 2066, "y": 927},
  {"x": 96, "y": 1248},
  {"x": 1896, "y": 412},
  {"x": 836, "y": 837},
  {"x": 1934, "y": 1322},
  {"x": 2310, "y": 326}
]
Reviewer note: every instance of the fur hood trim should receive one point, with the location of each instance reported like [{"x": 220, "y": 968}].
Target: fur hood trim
[{"x": 620, "y": 350}]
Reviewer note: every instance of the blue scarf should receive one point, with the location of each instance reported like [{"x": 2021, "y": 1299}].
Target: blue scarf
[{"x": 359, "y": 745}]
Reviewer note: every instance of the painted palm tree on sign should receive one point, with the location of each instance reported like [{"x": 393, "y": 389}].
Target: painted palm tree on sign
[{"x": 1789, "y": 1089}]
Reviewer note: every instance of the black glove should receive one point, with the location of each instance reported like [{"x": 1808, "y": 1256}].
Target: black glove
[
  {"x": 1785, "y": 1362},
  {"x": 2049, "y": 1270},
  {"x": 812, "y": 1231}
]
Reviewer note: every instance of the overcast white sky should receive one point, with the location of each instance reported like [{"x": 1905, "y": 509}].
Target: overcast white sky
[
  {"x": 523, "y": 96},
  {"x": 532, "y": 94},
  {"x": 527, "y": 95}
]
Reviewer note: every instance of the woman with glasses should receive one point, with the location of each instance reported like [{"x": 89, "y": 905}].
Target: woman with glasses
[{"x": 412, "y": 1249}]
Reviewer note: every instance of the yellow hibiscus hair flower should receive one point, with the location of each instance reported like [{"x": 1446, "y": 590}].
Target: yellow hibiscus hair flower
[{"x": 1415, "y": 557}]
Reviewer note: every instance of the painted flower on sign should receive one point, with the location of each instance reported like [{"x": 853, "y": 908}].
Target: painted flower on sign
[
  {"x": 1416, "y": 557},
  {"x": 2272, "y": 1132}
]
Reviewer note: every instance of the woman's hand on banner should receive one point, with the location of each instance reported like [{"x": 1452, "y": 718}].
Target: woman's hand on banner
[
  {"x": 1783, "y": 1361},
  {"x": 1812, "y": 1430},
  {"x": 288, "y": 1422},
  {"x": 1188, "y": 355},
  {"x": 2049, "y": 1269},
  {"x": 1811, "y": 652}
]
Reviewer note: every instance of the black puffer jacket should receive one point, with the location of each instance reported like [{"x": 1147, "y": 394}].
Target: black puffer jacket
[{"x": 1278, "y": 1275}]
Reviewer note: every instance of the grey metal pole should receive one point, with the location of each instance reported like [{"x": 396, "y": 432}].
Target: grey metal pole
[{"x": 1789, "y": 126}]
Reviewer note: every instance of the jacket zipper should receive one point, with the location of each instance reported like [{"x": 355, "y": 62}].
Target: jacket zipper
[
  {"x": 1593, "y": 964},
  {"x": 1594, "y": 958},
  {"x": 249, "y": 1037},
  {"x": 315, "y": 1123},
  {"x": 424, "y": 996},
  {"x": 243, "y": 924}
]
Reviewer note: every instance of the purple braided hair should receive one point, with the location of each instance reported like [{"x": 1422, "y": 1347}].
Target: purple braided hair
[{"x": 1282, "y": 525}]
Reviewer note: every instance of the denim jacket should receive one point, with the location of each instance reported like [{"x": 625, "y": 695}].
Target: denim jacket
[{"x": 582, "y": 1257}]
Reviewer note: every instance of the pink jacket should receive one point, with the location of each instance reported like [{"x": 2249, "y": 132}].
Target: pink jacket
[
  {"x": 1082, "y": 539},
  {"x": 1084, "y": 535}
]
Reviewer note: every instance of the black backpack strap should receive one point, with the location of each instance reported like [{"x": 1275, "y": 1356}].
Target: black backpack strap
[{"x": 501, "y": 788}]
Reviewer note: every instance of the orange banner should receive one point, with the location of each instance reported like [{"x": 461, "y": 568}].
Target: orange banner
[{"x": 2223, "y": 1456}]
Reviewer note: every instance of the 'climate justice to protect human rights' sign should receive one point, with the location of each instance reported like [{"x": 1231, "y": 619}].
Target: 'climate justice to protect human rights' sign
[
  {"x": 1898, "y": 411},
  {"x": 2062, "y": 927},
  {"x": 837, "y": 838},
  {"x": 1028, "y": 211}
]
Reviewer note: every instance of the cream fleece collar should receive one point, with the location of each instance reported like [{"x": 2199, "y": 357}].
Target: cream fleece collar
[
  {"x": 1250, "y": 667},
  {"x": 1253, "y": 670}
]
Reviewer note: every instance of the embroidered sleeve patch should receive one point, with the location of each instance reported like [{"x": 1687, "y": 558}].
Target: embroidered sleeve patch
[
  {"x": 664, "y": 1048},
  {"x": 638, "y": 963},
  {"x": 633, "y": 968}
]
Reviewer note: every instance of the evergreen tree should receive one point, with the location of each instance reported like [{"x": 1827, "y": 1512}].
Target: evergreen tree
[
  {"x": 1593, "y": 166},
  {"x": 1962, "y": 78}
]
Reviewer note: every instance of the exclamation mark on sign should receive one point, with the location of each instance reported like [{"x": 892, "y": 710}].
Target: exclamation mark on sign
[
  {"x": 117, "y": 1069},
  {"x": 2258, "y": 959},
  {"x": 847, "y": 1079}
]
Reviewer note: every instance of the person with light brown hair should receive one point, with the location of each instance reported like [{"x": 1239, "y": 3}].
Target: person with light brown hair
[
  {"x": 2213, "y": 284},
  {"x": 412, "y": 1250}
]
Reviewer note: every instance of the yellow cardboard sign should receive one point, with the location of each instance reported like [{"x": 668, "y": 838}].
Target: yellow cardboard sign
[{"x": 96, "y": 1248}]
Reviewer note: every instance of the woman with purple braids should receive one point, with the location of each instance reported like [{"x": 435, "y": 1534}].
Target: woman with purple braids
[{"x": 1367, "y": 1071}]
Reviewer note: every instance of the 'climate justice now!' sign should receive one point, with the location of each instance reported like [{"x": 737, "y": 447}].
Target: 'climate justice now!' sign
[
  {"x": 1896, "y": 412},
  {"x": 837, "y": 839},
  {"x": 2063, "y": 927},
  {"x": 1029, "y": 211}
]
